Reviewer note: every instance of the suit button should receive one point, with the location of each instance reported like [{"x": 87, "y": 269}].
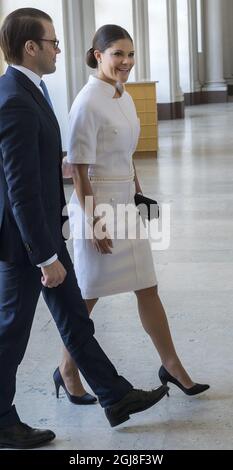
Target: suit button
[
  {"x": 28, "y": 248},
  {"x": 115, "y": 131}
]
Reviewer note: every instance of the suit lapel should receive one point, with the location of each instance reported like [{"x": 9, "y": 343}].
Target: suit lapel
[{"x": 35, "y": 92}]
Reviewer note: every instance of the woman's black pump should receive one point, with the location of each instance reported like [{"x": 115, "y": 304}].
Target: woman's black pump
[
  {"x": 194, "y": 390},
  {"x": 85, "y": 399}
]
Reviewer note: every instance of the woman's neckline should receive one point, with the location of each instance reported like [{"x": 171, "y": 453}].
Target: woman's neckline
[{"x": 108, "y": 87}]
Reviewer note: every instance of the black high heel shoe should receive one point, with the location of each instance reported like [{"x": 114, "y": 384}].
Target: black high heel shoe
[
  {"x": 194, "y": 390},
  {"x": 85, "y": 399}
]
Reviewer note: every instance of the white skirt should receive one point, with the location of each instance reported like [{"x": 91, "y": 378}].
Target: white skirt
[{"x": 130, "y": 266}]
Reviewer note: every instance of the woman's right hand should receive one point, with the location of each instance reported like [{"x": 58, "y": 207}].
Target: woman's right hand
[
  {"x": 67, "y": 169},
  {"x": 101, "y": 239}
]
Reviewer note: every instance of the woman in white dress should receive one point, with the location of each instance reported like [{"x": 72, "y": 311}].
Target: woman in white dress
[{"x": 104, "y": 131}]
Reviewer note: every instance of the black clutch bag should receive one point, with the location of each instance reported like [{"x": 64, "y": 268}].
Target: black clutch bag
[{"x": 148, "y": 208}]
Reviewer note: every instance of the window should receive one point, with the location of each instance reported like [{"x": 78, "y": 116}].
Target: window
[
  {"x": 199, "y": 26},
  {"x": 158, "y": 37},
  {"x": 110, "y": 11},
  {"x": 183, "y": 44},
  {"x": 118, "y": 12}
]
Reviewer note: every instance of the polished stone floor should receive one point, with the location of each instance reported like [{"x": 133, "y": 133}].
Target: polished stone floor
[{"x": 194, "y": 175}]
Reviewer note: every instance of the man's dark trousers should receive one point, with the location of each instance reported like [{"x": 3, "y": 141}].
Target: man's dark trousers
[{"x": 20, "y": 287}]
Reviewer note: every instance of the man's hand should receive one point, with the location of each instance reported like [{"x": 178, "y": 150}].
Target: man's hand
[{"x": 53, "y": 275}]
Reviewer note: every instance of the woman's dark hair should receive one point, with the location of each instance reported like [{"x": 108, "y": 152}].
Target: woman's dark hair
[
  {"x": 19, "y": 27},
  {"x": 104, "y": 38}
]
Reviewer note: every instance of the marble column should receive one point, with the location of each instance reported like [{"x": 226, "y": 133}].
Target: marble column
[
  {"x": 176, "y": 94},
  {"x": 1, "y": 55},
  {"x": 227, "y": 6},
  {"x": 1, "y": 64},
  {"x": 214, "y": 76},
  {"x": 141, "y": 39},
  {"x": 79, "y": 29}
]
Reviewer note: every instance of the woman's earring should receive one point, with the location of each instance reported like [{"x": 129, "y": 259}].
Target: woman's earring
[{"x": 99, "y": 61}]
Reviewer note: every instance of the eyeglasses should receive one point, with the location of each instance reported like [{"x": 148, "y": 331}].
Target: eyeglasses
[{"x": 54, "y": 41}]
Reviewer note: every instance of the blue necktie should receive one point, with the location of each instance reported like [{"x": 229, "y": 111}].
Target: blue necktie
[{"x": 46, "y": 93}]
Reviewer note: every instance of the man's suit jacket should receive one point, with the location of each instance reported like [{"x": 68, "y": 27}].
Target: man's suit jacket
[{"x": 31, "y": 189}]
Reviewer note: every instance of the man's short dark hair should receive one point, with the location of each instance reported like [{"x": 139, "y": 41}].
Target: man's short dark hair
[{"x": 19, "y": 27}]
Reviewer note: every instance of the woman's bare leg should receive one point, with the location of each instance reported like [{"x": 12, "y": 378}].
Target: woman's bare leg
[
  {"x": 154, "y": 321},
  {"x": 68, "y": 368}
]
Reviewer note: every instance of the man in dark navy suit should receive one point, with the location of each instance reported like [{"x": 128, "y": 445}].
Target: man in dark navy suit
[{"x": 33, "y": 255}]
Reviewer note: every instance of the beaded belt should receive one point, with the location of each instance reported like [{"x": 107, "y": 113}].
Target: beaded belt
[{"x": 113, "y": 179}]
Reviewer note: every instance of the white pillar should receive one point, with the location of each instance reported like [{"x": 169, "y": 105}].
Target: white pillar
[
  {"x": 79, "y": 29},
  {"x": 213, "y": 46},
  {"x": 176, "y": 94},
  {"x": 141, "y": 39},
  {"x": 1, "y": 55},
  {"x": 227, "y": 6},
  {"x": 193, "y": 47},
  {"x": 2, "y": 64}
]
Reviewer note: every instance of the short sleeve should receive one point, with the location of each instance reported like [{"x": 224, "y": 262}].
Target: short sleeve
[{"x": 83, "y": 128}]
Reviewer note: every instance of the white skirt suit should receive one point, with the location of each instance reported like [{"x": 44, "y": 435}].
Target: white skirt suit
[{"x": 103, "y": 134}]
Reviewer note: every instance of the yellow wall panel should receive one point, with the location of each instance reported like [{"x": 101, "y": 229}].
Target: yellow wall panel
[{"x": 144, "y": 96}]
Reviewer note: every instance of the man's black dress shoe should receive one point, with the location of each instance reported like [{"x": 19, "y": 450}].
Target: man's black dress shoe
[
  {"x": 86, "y": 399},
  {"x": 133, "y": 402},
  {"x": 22, "y": 436}
]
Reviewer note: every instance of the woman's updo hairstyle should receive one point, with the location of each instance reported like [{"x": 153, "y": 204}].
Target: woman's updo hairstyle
[{"x": 103, "y": 39}]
